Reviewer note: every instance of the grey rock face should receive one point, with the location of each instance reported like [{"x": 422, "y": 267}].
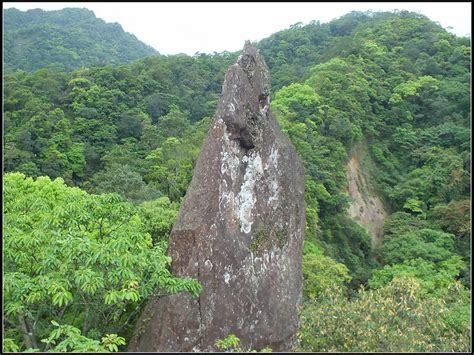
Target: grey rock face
[{"x": 239, "y": 231}]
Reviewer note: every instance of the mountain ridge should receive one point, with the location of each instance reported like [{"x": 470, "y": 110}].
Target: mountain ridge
[{"x": 72, "y": 37}]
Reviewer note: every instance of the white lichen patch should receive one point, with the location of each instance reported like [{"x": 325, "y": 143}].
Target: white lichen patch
[
  {"x": 218, "y": 122},
  {"x": 264, "y": 109},
  {"x": 226, "y": 277},
  {"x": 229, "y": 156},
  {"x": 227, "y": 273},
  {"x": 246, "y": 198},
  {"x": 226, "y": 197},
  {"x": 274, "y": 158},
  {"x": 273, "y": 191},
  {"x": 230, "y": 163},
  {"x": 266, "y": 257},
  {"x": 208, "y": 264},
  {"x": 273, "y": 165}
]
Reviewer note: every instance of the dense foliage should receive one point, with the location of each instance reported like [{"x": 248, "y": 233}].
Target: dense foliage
[
  {"x": 123, "y": 129},
  {"x": 395, "y": 318},
  {"x": 398, "y": 84},
  {"x": 83, "y": 260},
  {"x": 395, "y": 83},
  {"x": 70, "y": 38}
]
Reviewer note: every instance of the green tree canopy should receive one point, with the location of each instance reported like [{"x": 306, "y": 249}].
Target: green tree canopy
[{"x": 78, "y": 259}]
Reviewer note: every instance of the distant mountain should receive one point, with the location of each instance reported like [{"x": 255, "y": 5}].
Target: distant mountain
[{"x": 70, "y": 37}]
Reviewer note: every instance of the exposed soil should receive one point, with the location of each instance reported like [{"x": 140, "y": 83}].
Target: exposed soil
[{"x": 365, "y": 207}]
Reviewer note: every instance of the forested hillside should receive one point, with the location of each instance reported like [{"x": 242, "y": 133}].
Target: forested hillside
[
  {"x": 396, "y": 83},
  {"x": 69, "y": 38}
]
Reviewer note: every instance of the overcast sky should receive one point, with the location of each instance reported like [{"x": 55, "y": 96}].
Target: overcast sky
[{"x": 173, "y": 28}]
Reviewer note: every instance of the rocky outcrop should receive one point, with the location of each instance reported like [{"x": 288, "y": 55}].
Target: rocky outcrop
[{"x": 239, "y": 231}]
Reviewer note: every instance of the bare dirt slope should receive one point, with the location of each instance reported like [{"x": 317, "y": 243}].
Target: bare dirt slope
[{"x": 365, "y": 207}]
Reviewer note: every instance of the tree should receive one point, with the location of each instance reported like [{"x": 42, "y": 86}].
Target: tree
[
  {"x": 78, "y": 259},
  {"x": 400, "y": 223},
  {"x": 394, "y": 318},
  {"x": 129, "y": 125},
  {"x": 427, "y": 244},
  {"x": 158, "y": 217},
  {"x": 434, "y": 278},
  {"x": 173, "y": 124},
  {"x": 122, "y": 179},
  {"x": 321, "y": 273},
  {"x": 171, "y": 167},
  {"x": 413, "y": 205},
  {"x": 66, "y": 338},
  {"x": 298, "y": 102},
  {"x": 157, "y": 105},
  {"x": 454, "y": 217}
]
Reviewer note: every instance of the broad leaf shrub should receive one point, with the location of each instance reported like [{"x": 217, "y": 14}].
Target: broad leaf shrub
[{"x": 82, "y": 260}]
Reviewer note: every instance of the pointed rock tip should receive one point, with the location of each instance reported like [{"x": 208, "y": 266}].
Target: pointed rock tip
[
  {"x": 252, "y": 62},
  {"x": 249, "y": 49}
]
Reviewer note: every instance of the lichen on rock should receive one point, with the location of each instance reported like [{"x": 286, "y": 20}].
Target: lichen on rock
[{"x": 239, "y": 231}]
